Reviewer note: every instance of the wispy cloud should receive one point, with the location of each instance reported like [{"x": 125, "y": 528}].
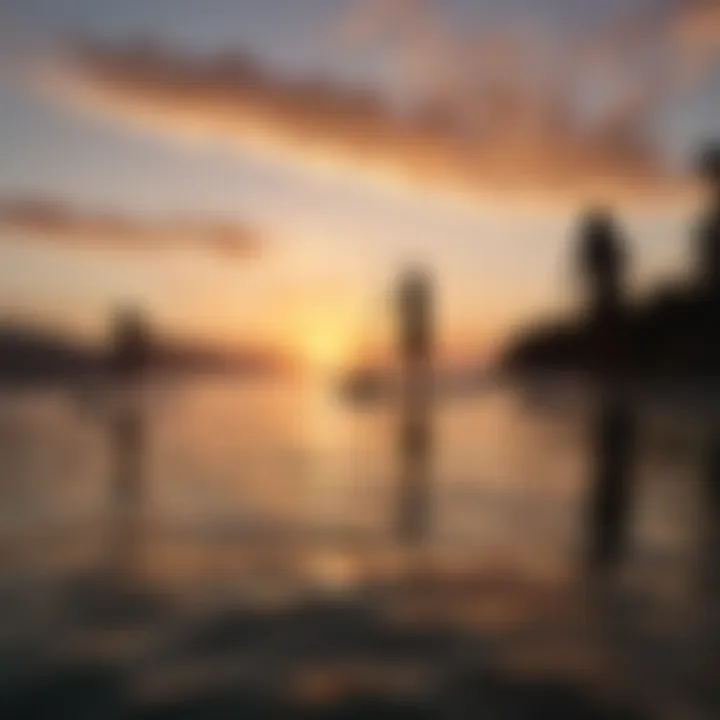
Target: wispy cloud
[
  {"x": 695, "y": 26},
  {"x": 57, "y": 222},
  {"x": 488, "y": 114}
]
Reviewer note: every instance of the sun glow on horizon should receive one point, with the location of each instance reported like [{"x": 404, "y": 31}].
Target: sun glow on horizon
[{"x": 326, "y": 348}]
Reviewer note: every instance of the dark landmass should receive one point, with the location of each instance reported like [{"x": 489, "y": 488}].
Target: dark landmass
[
  {"x": 671, "y": 336},
  {"x": 32, "y": 356}
]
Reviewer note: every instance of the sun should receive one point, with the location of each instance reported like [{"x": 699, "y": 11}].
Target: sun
[
  {"x": 325, "y": 347},
  {"x": 325, "y": 329}
]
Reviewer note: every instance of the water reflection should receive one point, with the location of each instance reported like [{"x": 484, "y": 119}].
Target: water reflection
[
  {"x": 711, "y": 522},
  {"x": 614, "y": 430},
  {"x": 500, "y": 521},
  {"x": 415, "y": 445},
  {"x": 710, "y": 567}
]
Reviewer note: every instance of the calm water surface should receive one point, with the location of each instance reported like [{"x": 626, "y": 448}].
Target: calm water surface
[{"x": 266, "y": 492}]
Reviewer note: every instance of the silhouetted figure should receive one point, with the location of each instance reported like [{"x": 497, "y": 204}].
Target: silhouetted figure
[
  {"x": 602, "y": 264},
  {"x": 707, "y": 316},
  {"x": 602, "y": 268},
  {"x": 709, "y": 231},
  {"x": 415, "y": 440}
]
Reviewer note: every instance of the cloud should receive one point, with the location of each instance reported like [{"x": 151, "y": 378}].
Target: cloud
[
  {"x": 484, "y": 115},
  {"x": 696, "y": 21},
  {"x": 695, "y": 27},
  {"x": 677, "y": 40},
  {"x": 65, "y": 225}
]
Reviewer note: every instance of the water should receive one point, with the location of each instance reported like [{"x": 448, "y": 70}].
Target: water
[
  {"x": 275, "y": 494},
  {"x": 509, "y": 471}
]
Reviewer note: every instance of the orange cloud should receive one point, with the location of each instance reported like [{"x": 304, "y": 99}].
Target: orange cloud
[
  {"x": 56, "y": 222},
  {"x": 696, "y": 32},
  {"x": 489, "y": 117}
]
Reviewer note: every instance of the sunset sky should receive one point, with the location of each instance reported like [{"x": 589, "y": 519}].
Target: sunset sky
[{"x": 256, "y": 171}]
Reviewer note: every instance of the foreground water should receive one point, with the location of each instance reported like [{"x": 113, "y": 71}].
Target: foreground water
[{"x": 251, "y": 541}]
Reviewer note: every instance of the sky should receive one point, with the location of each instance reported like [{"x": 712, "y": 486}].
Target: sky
[{"x": 257, "y": 172}]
